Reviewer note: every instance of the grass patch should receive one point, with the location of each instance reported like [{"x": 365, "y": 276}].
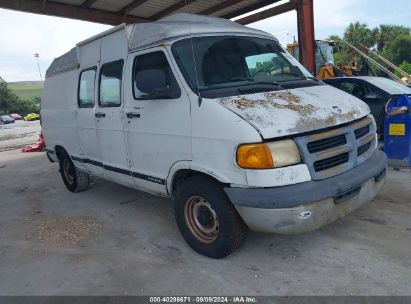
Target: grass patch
[{"x": 26, "y": 90}]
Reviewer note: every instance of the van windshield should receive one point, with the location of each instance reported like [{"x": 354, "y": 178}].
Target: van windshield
[{"x": 233, "y": 61}]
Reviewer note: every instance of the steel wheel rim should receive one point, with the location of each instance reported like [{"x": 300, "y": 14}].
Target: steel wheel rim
[
  {"x": 201, "y": 219},
  {"x": 68, "y": 171}
]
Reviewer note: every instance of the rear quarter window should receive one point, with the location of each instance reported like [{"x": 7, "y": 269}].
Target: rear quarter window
[{"x": 86, "y": 88}]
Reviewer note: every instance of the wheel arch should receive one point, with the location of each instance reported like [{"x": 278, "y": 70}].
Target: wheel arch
[
  {"x": 59, "y": 150},
  {"x": 183, "y": 170}
]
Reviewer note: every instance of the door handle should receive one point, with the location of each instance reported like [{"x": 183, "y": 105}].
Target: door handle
[
  {"x": 132, "y": 115},
  {"x": 100, "y": 115}
]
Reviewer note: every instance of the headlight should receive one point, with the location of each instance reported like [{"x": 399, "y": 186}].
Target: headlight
[
  {"x": 284, "y": 153},
  {"x": 268, "y": 156}
]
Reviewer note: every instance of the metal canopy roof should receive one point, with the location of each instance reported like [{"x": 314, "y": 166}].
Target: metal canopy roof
[
  {"x": 136, "y": 11},
  {"x": 115, "y": 12}
]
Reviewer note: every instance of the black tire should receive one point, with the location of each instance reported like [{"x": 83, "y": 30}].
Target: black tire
[
  {"x": 230, "y": 232},
  {"x": 74, "y": 179}
]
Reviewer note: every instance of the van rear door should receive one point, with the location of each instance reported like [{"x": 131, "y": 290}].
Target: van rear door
[
  {"x": 109, "y": 112},
  {"x": 89, "y": 153}
]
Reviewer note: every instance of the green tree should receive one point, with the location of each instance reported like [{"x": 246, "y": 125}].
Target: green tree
[
  {"x": 393, "y": 42},
  {"x": 399, "y": 50},
  {"x": 7, "y": 98},
  {"x": 341, "y": 54},
  {"x": 358, "y": 33},
  {"x": 406, "y": 67},
  {"x": 388, "y": 33},
  {"x": 25, "y": 106},
  {"x": 36, "y": 100},
  {"x": 10, "y": 103}
]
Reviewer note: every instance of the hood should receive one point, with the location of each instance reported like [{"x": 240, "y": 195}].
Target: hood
[{"x": 287, "y": 112}]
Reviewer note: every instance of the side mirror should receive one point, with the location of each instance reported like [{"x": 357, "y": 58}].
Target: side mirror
[{"x": 153, "y": 83}]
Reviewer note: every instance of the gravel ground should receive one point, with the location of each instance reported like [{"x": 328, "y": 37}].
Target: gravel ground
[
  {"x": 112, "y": 240},
  {"x": 19, "y": 135}
]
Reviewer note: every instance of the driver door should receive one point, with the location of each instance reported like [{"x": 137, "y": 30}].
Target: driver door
[{"x": 157, "y": 120}]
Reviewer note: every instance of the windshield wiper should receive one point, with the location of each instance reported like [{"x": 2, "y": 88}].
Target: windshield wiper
[
  {"x": 299, "y": 76},
  {"x": 234, "y": 79},
  {"x": 313, "y": 78},
  {"x": 276, "y": 83},
  {"x": 241, "y": 79},
  {"x": 250, "y": 82},
  {"x": 253, "y": 81}
]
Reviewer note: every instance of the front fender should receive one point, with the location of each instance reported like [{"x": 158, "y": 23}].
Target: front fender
[{"x": 222, "y": 177}]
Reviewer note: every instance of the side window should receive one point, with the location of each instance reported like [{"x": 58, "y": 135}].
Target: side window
[
  {"x": 359, "y": 91},
  {"x": 110, "y": 84},
  {"x": 370, "y": 93},
  {"x": 347, "y": 86},
  {"x": 153, "y": 77},
  {"x": 86, "y": 88}
]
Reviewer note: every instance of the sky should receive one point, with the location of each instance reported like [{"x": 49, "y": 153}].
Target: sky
[{"x": 23, "y": 34}]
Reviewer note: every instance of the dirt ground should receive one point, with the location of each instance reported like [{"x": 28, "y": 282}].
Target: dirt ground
[
  {"x": 111, "y": 240},
  {"x": 19, "y": 134}
]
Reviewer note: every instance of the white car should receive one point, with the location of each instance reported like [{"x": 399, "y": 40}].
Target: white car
[{"x": 219, "y": 118}]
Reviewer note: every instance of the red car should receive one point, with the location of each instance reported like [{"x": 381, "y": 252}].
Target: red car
[{"x": 16, "y": 116}]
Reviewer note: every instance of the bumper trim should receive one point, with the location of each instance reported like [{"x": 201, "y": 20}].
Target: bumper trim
[{"x": 308, "y": 192}]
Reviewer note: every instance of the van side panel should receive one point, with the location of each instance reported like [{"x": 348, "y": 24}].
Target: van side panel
[
  {"x": 58, "y": 111},
  {"x": 114, "y": 47},
  {"x": 89, "y": 54}
]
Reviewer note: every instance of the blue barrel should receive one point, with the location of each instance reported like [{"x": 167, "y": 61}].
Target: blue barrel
[{"x": 397, "y": 136}]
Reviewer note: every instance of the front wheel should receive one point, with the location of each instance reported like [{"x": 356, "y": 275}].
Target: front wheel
[
  {"x": 74, "y": 179},
  {"x": 206, "y": 218}
]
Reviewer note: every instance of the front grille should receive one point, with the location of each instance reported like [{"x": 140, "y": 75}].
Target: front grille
[
  {"x": 337, "y": 150},
  {"x": 326, "y": 143},
  {"x": 324, "y": 164},
  {"x": 364, "y": 148},
  {"x": 362, "y": 131}
]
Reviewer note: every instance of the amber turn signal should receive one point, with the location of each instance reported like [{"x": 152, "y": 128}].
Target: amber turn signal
[{"x": 254, "y": 156}]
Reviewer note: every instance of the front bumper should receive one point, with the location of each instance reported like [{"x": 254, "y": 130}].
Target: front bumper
[{"x": 308, "y": 206}]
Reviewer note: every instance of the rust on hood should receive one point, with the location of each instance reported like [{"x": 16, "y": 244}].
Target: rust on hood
[
  {"x": 294, "y": 111},
  {"x": 314, "y": 123},
  {"x": 293, "y": 102}
]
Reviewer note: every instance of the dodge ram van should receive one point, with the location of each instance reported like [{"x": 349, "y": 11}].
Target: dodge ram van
[{"x": 219, "y": 118}]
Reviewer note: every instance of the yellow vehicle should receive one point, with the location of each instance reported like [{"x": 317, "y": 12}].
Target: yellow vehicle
[
  {"x": 324, "y": 60},
  {"x": 31, "y": 117},
  {"x": 325, "y": 67}
]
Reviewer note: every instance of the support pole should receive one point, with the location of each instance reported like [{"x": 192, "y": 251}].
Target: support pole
[
  {"x": 36, "y": 55},
  {"x": 306, "y": 36}
]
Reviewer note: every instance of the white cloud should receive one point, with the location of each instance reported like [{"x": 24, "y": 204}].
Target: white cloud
[
  {"x": 336, "y": 13},
  {"x": 24, "y": 34},
  {"x": 18, "y": 73},
  {"x": 49, "y": 36}
]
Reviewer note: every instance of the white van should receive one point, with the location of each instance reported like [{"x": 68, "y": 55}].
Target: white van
[{"x": 218, "y": 117}]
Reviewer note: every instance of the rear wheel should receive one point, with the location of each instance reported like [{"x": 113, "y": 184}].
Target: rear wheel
[
  {"x": 206, "y": 218},
  {"x": 74, "y": 179}
]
